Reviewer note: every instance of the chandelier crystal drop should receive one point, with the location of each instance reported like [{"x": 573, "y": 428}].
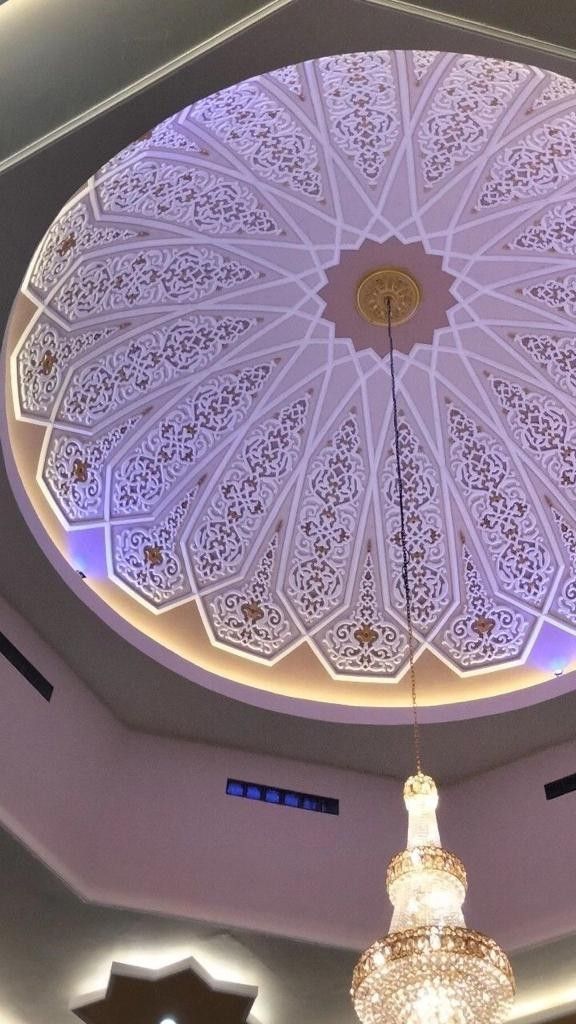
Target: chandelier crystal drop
[{"x": 430, "y": 968}]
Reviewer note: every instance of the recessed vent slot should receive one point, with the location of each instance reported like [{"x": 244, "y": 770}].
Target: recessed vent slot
[
  {"x": 560, "y": 786},
  {"x": 25, "y": 668},
  {"x": 282, "y": 797}
]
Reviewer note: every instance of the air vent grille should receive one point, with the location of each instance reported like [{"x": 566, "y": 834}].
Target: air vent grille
[
  {"x": 25, "y": 668},
  {"x": 560, "y": 787}
]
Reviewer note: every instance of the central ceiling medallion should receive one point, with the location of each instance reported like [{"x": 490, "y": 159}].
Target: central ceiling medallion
[{"x": 383, "y": 284}]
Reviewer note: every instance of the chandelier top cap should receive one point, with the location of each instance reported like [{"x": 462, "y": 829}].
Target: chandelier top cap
[{"x": 420, "y": 785}]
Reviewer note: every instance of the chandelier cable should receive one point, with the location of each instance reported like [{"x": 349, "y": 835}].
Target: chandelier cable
[{"x": 404, "y": 545}]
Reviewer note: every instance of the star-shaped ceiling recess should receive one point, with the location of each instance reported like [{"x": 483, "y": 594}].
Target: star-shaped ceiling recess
[
  {"x": 212, "y": 416},
  {"x": 181, "y": 993}
]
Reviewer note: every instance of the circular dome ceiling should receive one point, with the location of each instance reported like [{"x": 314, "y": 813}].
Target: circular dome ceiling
[{"x": 200, "y": 394}]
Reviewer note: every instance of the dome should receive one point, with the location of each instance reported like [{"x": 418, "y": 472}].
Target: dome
[{"x": 199, "y": 404}]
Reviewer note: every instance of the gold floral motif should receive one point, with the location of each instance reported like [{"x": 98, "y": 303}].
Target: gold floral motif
[
  {"x": 381, "y": 285},
  {"x": 66, "y": 244},
  {"x": 252, "y": 611},
  {"x": 153, "y": 554},
  {"x": 482, "y": 625},
  {"x": 366, "y": 635},
  {"x": 48, "y": 362},
  {"x": 80, "y": 470}
]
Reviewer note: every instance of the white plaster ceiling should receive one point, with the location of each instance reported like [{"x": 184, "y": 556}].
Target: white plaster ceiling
[{"x": 212, "y": 439}]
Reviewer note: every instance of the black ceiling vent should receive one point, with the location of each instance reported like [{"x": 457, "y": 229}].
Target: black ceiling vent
[
  {"x": 560, "y": 786},
  {"x": 25, "y": 668}
]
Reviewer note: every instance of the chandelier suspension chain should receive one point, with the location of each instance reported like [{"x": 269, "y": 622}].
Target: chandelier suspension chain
[{"x": 404, "y": 544}]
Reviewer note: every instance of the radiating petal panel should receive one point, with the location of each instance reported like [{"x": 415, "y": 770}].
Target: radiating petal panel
[
  {"x": 202, "y": 200},
  {"x": 366, "y": 641},
  {"x": 148, "y": 277},
  {"x": 175, "y": 445},
  {"x": 151, "y": 360},
  {"x": 75, "y": 467},
  {"x": 425, "y": 532},
  {"x": 246, "y": 491},
  {"x": 464, "y": 111},
  {"x": 249, "y": 616},
  {"x": 485, "y": 630},
  {"x": 266, "y": 135},
  {"x": 327, "y": 525},
  {"x": 360, "y": 96},
  {"x": 499, "y": 508},
  {"x": 149, "y": 559}
]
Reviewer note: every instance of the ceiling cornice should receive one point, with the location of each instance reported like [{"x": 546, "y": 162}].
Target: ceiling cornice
[
  {"x": 144, "y": 82},
  {"x": 464, "y": 24}
]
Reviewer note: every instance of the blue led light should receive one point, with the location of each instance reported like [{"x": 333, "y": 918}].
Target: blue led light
[{"x": 282, "y": 797}]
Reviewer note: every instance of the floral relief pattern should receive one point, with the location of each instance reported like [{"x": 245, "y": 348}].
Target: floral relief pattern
[
  {"x": 174, "y": 445},
  {"x": 225, "y": 443},
  {"x": 264, "y": 134},
  {"x": 290, "y": 78},
  {"x": 500, "y": 507},
  {"x": 139, "y": 366},
  {"x": 557, "y": 356},
  {"x": 246, "y": 492},
  {"x": 557, "y": 295},
  {"x": 423, "y": 61},
  {"x": 74, "y": 470},
  {"x": 327, "y": 525},
  {"x": 148, "y": 559},
  {"x": 565, "y": 601},
  {"x": 360, "y": 95},
  {"x": 366, "y": 641},
  {"x": 168, "y": 135},
  {"x": 429, "y": 584},
  {"x": 486, "y": 631},
  {"x": 464, "y": 110},
  {"x": 533, "y": 166},
  {"x": 555, "y": 232},
  {"x": 148, "y": 277},
  {"x": 73, "y": 234},
  {"x": 186, "y": 195},
  {"x": 44, "y": 359},
  {"x": 251, "y": 617},
  {"x": 556, "y": 87},
  {"x": 542, "y": 427}
]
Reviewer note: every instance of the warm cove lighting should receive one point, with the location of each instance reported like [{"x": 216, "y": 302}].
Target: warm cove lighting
[
  {"x": 430, "y": 968},
  {"x": 539, "y": 1007}
]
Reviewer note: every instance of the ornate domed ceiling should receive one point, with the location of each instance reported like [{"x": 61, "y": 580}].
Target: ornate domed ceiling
[{"x": 199, "y": 403}]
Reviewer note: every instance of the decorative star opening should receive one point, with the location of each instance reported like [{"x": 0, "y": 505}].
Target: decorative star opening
[{"x": 183, "y": 992}]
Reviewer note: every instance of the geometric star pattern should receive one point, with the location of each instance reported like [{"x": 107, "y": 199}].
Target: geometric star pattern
[{"x": 201, "y": 412}]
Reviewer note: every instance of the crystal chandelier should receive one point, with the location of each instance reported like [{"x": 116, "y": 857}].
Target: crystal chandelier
[{"x": 430, "y": 968}]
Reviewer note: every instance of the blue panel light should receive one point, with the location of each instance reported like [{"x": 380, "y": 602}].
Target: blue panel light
[{"x": 282, "y": 797}]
